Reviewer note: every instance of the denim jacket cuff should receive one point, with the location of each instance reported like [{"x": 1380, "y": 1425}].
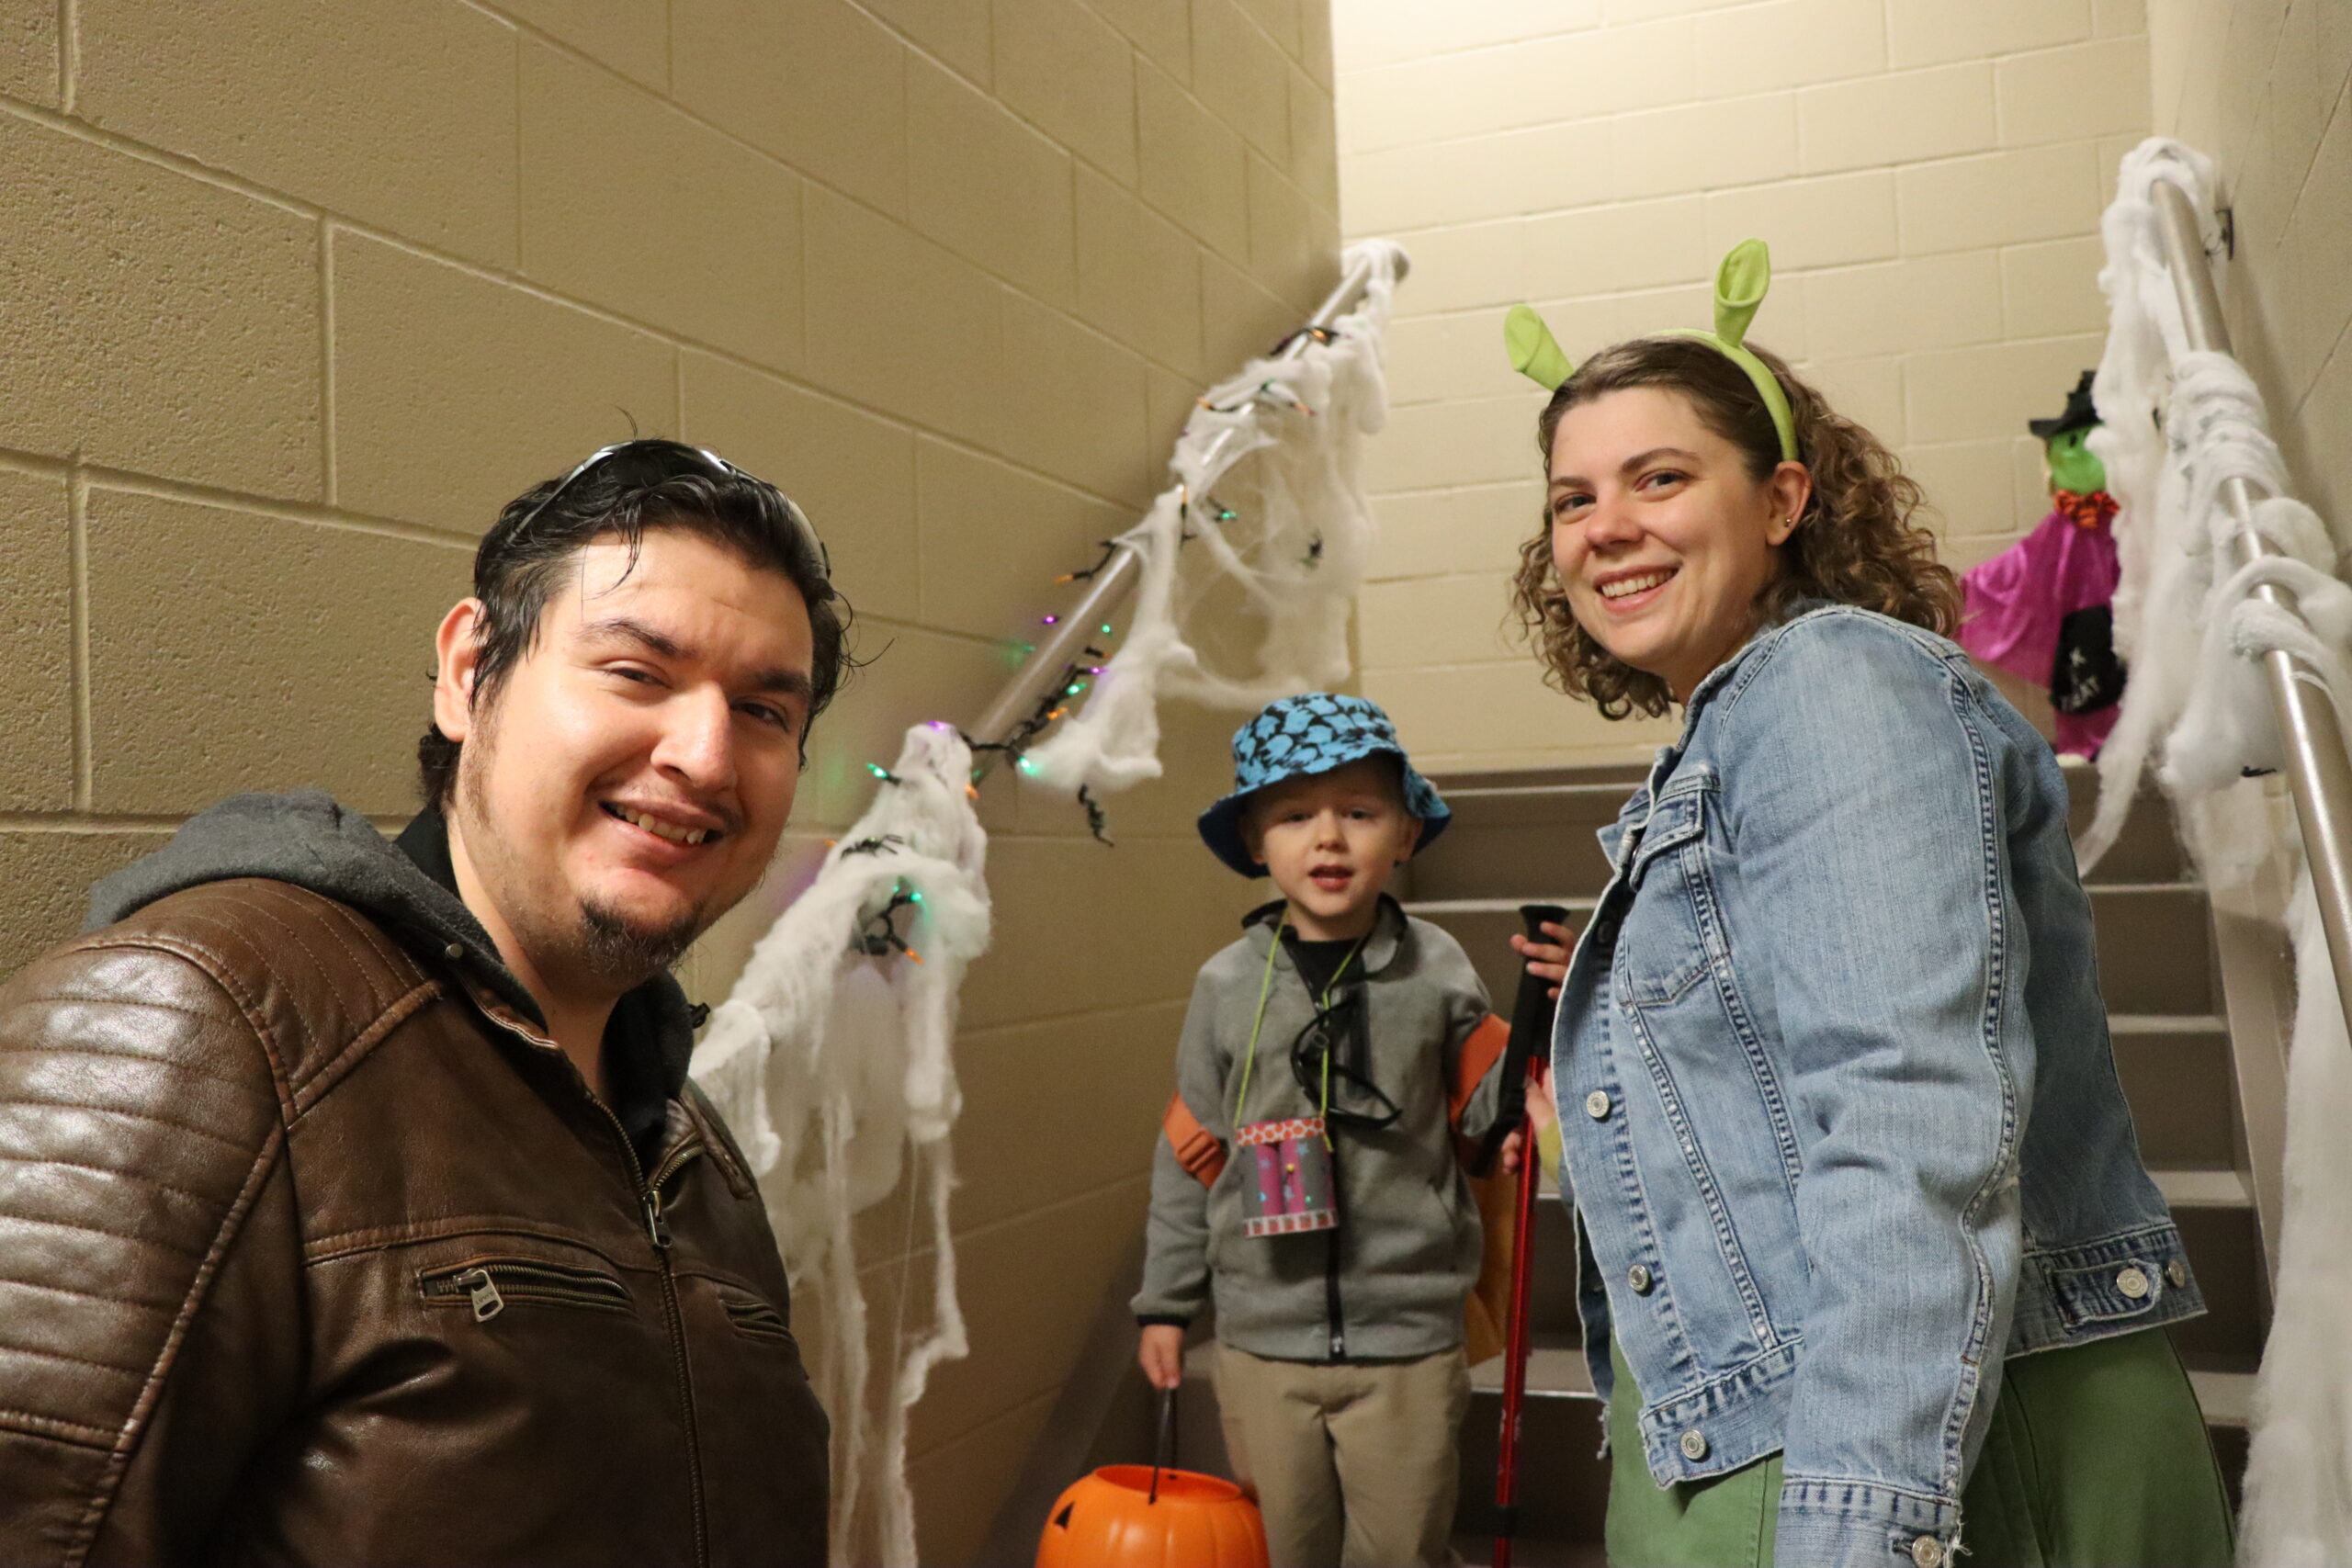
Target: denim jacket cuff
[{"x": 1840, "y": 1522}]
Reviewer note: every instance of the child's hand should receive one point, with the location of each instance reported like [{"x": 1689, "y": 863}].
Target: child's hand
[
  {"x": 1541, "y": 1114},
  {"x": 1540, "y": 1108},
  {"x": 1162, "y": 1355},
  {"x": 1547, "y": 959}
]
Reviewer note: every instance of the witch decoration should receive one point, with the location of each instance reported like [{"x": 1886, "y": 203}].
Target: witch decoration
[{"x": 2041, "y": 609}]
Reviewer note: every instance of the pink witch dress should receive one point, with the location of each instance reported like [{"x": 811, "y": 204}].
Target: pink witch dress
[{"x": 2040, "y": 611}]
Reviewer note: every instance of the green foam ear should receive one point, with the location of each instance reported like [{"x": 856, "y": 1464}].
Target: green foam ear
[
  {"x": 1740, "y": 285},
  {"x": 1534, "y": 352}
]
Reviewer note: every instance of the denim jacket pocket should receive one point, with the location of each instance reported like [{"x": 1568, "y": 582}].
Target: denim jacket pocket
[{"x": 1664, "y": 948}]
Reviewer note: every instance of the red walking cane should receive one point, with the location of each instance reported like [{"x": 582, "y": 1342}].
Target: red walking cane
[{"x": 1523, "y": 1058}]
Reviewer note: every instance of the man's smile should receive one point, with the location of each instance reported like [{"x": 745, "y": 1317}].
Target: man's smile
[{"x": 683, "y": 830}]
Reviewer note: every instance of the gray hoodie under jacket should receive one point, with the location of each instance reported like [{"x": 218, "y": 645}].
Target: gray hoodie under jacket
[
  {"x": 1391, "y": 1281},
  {"x": 407, "y": 888}
]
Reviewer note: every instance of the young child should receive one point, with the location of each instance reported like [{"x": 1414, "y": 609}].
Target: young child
[{"x": 1335, "y": 1062}]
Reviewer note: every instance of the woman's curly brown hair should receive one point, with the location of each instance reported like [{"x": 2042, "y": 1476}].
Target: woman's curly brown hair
[{"x": 1856, "y": 542}]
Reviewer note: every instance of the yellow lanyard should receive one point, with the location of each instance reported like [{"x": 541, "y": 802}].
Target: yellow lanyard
[{"x": 1257, "y": 1024}]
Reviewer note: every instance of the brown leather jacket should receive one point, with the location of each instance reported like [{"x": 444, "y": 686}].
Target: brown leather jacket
[{"x": 313, "y": 1250}]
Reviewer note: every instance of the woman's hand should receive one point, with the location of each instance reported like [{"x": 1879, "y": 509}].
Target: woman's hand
[
  {"x": 1546, "y": 960},
  {"x": 1162, "y": 1355}
]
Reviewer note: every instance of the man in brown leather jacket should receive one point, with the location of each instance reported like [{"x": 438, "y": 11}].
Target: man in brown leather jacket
[{"x": 355, "y": 1204}]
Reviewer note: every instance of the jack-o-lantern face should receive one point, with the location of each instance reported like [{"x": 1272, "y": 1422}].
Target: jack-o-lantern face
[{"x": 1112, "y": 1519}]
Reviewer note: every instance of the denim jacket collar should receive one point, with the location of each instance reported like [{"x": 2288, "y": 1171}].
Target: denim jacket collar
[
  {"x": 1638, "y": 805},
  {"x": 1721, "y": 675}
]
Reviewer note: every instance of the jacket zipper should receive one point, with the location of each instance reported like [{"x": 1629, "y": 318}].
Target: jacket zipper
[
  {"x": 657, "y": 1230},
  {"x": 527, "y": 1279}
]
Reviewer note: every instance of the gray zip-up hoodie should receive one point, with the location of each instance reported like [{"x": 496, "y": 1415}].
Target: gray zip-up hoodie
[{"x": 1392, "y": 1279}]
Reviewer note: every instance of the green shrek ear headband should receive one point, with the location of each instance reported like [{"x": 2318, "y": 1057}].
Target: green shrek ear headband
[{"x": 1740, "y": 284}]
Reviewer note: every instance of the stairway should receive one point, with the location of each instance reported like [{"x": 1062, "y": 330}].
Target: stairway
[{"x": 1528, "y": 837}]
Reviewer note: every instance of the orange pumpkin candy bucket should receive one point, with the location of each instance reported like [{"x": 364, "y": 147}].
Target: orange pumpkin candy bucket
[{"x": 1153, "y": 1516}]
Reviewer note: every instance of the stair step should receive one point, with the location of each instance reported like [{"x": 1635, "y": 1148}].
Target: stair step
[
  {"x": 1438, "y": 908},
  {"x": 1532, "y": 1551},
  {"x": 2203, "y": 1189},
  {"x": 1513, "y": 828},
  {"x": 1485, "y": 926},
  {"x": 2142, "y": 930},
  {"x": 2122, "y": 1023},
  {"x": 1491, "y": 800},
  {"x": 1553, "y": 1373},
  {"x": 1622, "y": 777},
  {"x": 2147, "y": 847},
  {"x": 2176, "y": 1077},
  {"x": 2227, "y": 1398}
]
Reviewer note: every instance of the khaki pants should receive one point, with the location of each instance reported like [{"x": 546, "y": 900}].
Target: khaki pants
[{"x": 1354, "y": 1464}]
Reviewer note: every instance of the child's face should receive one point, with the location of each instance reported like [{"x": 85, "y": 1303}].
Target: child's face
[{"x": 1331, "y": 842}]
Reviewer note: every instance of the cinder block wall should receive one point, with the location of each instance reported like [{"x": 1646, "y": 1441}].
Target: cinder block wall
[
  {"x": 2267, "y": 90},
  {"x": 293, "y": 295},
  {"x": 1929, "y": 172}
]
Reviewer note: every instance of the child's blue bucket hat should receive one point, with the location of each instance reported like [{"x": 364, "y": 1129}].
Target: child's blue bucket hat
[{"x": 1312, "y": 733}]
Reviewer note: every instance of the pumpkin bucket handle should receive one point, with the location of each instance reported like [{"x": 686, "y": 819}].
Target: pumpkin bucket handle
[{"x": 1164, "y": 1452}]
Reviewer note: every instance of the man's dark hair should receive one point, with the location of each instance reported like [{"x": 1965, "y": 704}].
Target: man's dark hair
[{"x": 644, "y": 486}]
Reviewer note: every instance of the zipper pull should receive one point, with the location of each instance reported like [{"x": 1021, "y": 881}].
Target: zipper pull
[
  {"x": 655, "y": 1225},
  {"x": 482, "y": 1290}
]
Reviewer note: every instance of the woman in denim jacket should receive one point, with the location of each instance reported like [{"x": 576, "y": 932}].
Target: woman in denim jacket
[{"x": 1870, "y": 1264}]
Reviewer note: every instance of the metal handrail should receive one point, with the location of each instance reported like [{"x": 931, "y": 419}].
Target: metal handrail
[
  {"x": 2319, "y": 770},
  {"x": 1108, "y": 588}
]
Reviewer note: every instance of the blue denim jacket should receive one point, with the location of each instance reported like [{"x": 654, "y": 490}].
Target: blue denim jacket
[{"x": 1840, "y": 1112}]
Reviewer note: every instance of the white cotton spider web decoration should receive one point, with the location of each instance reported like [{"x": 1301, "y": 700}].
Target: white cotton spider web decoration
[
  {"x": 2196, "y": 704},
  {"x": 835, "y": 1063},
  {"x": 835, "y": 1066},
  {"x": 1286, "y": 563}
]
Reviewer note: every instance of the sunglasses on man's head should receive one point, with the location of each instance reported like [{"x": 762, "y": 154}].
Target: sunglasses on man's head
[{"x": 692, "y": 456}]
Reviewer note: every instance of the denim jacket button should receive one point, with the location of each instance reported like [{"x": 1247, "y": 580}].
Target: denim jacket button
[
  {"x": 1927, "y": 1551},
  {"x": 2178, "y": 1272},
  {"x": 1596, "y": 1105},
  {"x": 1695, "y": 1446},
  {"x": 2132, "y": 1281},
  {"x": 1638, "y": 1276}
]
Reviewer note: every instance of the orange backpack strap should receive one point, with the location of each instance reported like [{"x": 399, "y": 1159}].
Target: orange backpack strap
[
  {"x": 1481, "y": 1049},
  {"x": 1197, "y": 1149}
]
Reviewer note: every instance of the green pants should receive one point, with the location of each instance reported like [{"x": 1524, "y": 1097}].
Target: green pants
[{"x": 2097, "y": 1457}]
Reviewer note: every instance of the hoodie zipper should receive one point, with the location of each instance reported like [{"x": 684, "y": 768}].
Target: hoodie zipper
[
  {"x": 657, "y": 1230},
  {"x": 1334, "y": 1319},
  {"x": 1331, "y": 1297}
]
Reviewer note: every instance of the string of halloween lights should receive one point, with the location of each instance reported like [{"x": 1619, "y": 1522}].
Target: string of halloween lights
[{"x": 833, "y": 1057}]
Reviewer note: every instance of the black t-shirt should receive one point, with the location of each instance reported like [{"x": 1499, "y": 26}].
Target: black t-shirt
[{"x": 1319, "y": 963}]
